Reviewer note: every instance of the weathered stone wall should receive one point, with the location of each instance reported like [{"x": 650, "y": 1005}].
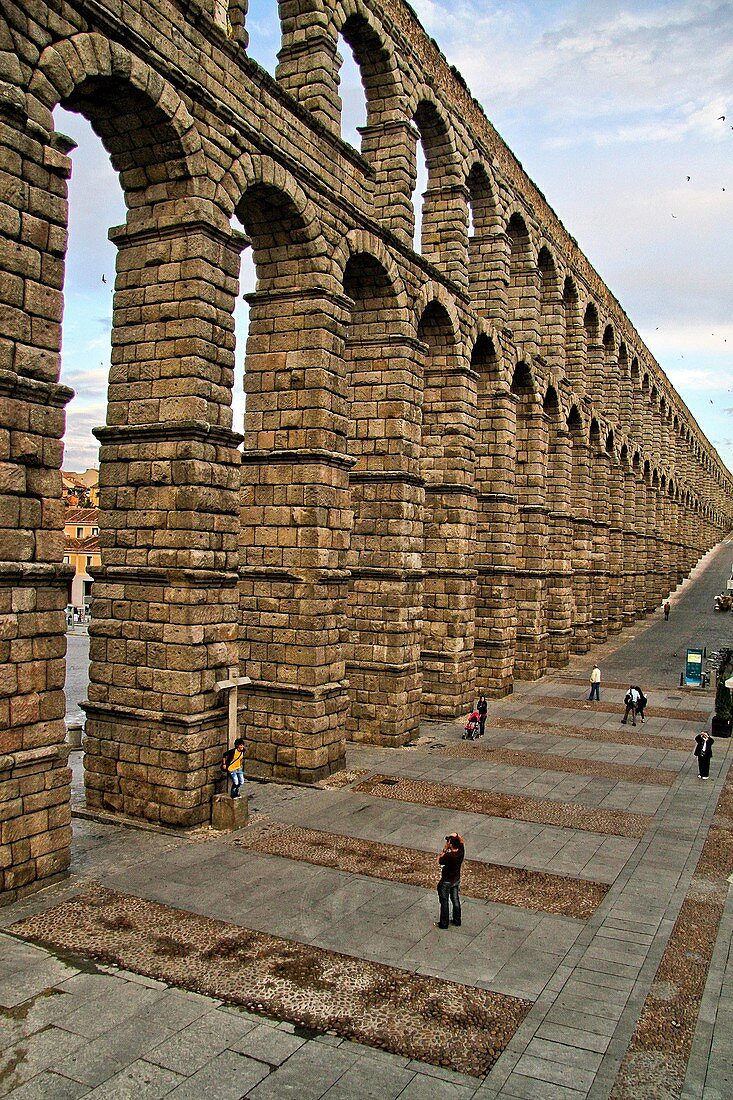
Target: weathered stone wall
[{"x": 458, "y": 466}]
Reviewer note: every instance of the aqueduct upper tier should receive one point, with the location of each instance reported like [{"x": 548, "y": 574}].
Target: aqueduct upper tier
[{"x": 460, "y": 463}]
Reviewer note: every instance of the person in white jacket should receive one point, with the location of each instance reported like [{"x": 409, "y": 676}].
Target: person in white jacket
[{"x": 595, "y": 684}]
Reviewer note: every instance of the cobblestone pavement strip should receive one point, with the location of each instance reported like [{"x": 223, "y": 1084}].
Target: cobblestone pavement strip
[
  {"x": 343, "y": 779},
  {"x": 657, "y": 1056},
  {"x": 536, "y": 890},
  {"x": 700, "y": 716},
  {"x": 543, "y": 812},
  {"x": 435, "y": 1021},
  {"x": 570, "y": 764},
  {"x": 583, "y": 733}
]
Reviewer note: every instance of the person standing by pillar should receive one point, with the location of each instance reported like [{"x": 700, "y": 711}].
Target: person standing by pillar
[
  {"x": 704, "y": 752},
  {"x": 232, "y": 763},
  {"x": 595, "y": 684}
]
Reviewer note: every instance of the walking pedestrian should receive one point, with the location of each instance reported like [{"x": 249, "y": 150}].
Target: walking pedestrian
[
  {"x": 482, "y": 707},
  {"x": 666, "y": 610},
  {"x": 704, "y": 752},
  {"x": 232, "y": 762},
  {"x": 595, "y": 684},
  {"x": 641, "y": 702},
  {"x": 631, "y": 699},
  {"x": 450, "y": 860}
]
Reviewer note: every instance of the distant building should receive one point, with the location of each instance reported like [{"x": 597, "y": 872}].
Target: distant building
[
  {"x": 81, "y": 549},
  {"x": 80, "y": 490}
]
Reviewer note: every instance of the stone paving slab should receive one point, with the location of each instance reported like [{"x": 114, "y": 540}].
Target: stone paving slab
[
  {"x": 474, "y": 800},
  {"x": 554, "y": 762},
  {"x": 539, "y": 891}
]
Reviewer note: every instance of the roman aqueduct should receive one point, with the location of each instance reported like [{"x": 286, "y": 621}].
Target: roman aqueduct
[{"x": 460, "y": 464}]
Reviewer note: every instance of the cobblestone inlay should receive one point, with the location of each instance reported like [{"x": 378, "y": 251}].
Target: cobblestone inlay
[
  {"x": 655, "y": 1063},
  {"x": 536, "y": 890},
  {"x": 598, "y": 769},
  {"x": 612, "y": 737},
  {"x": 568, "y": 815},
  {"x": 616, "y": 708},
  {"x": 343, "y": 779},
  {"x": 412, "y": 1015}
]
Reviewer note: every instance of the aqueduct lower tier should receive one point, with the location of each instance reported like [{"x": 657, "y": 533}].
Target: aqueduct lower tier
[{"x": 459, "y": 465}]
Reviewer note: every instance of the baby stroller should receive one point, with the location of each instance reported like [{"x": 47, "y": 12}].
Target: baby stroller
[{"x": 473, "y": 724}]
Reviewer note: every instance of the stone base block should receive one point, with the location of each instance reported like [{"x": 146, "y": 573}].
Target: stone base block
[
  {"x": 229, "y": 814},
  {"x": 74, "y": 736}
]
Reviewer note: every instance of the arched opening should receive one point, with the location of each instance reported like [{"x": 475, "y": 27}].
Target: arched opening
[
  {"x": 290, "y": 494},
  {"x": 140, "y": 142},
  {"x": 363, "y": 79},
  {"x": 559, "y": 533},
  {"x": 482, "y": 276},
  {"x": 530, "y": 481},
  {"x": 581, "y": 509},
  {"x": 384, "y": 436},
  {"x": 551, "y": 321},
  {"x": 521, "y": 287},
  {"x": 155, "y": 392},
  {"x": 88, "y": 287},
  {"x": 573, "y": 343},
  {"x": 448, "y": 442},
  {"x": 443, "y": 237}
]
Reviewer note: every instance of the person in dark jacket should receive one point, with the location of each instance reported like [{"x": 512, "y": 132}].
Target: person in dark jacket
[
  {"x": 450, "y": 860},
  {"x": 482, "y": 707},
  {"x": 641, "y": 703},
  {"x": 703, "y": 751}
]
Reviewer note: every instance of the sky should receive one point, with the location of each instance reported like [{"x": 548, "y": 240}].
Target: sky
[{"x": 621, "y": 113}]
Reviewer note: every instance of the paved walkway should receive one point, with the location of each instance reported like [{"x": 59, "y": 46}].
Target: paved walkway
[{"x": 72, "y": 1027}]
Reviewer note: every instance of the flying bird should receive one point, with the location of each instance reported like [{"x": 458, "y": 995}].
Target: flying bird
[
  {"x": 674, "y": 215},
  {"x": 689, "y": 178},
  {"x": 103, "y": 279},
  {"x": 721, "y": 118}
]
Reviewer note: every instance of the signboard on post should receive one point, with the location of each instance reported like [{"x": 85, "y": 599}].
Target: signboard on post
[{"x": 693, "y": 668}]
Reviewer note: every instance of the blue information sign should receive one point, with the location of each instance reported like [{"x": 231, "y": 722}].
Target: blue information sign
[{"x": 693, "y": 668}]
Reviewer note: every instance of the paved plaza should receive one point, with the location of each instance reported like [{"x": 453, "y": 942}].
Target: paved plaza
[{"x": 299, "y": 958}]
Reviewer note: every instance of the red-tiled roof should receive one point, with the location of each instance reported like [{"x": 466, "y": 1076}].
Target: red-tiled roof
[
  {"x": 82, "y": 516},
  {"x": 81, "y": 546}
]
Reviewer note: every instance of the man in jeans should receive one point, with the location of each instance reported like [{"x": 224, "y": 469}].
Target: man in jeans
[
  {"x": 450, "y": 860},
  {"x": 233, "y": 764}
]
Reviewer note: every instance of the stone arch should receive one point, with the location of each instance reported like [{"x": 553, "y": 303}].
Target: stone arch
[
  {"x": 121, "y": 96},
  {"x": 431, "y": 292},
  {"x": 279, "y": 219},
  {"x": 362, "y": 243},
  {"x": 384, "y": 443},
  {"x": 550, "y": 320},
  {"x": 482, "y": 246},
  {"x": 444, "y": 229},
  {"x": 551, "y": 403},
  {"x": 575, "y": 421},
  {"x": 374, "y": 55},
  {"x": 449, "y": 429},
  {"x": 522, "y": 280},
  {"x": 312, "y": 28},
  {"x": 573, "y": 343}
]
